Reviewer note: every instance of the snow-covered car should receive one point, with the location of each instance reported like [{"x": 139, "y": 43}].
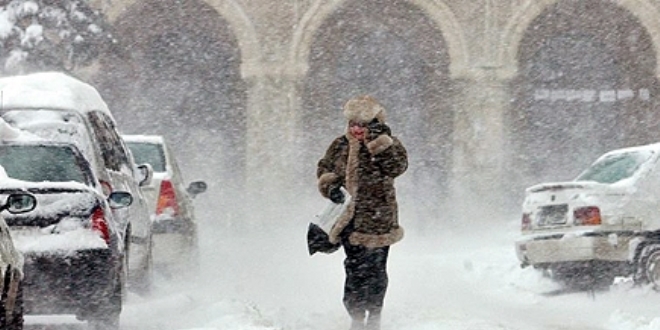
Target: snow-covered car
[
  {"x": 58, "y": 107},
  {"x": 170, "y": 201},
  {"x": 11, "y": 265},
  {"x": 73, "y": 247},
  {"x": 603, "y": 224}
]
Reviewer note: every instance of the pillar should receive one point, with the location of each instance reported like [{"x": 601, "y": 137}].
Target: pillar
[
  {"x": 272, "y": 124},
  {"x": 478, "y": 190}
]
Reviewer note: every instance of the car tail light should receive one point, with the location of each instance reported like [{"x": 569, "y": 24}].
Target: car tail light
[
  {"x": 167, "y": 202},
  {"x": 526, "y": 222},
  {"x": 100, "y": 224},
  {"x": 587, "y": 216}
]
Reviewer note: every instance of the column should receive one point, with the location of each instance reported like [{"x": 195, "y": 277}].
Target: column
[
  {"x": 273, "y": 124},
  {"x": 477, "y": 184}
]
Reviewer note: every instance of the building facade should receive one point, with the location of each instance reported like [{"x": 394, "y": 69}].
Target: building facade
[{"x": 490, "y": 96}]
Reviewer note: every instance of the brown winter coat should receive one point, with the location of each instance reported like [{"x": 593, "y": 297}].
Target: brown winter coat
[{"x": 367, "y": 171}]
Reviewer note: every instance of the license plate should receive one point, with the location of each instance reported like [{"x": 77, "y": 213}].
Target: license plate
[{"x": 553, "y": 215}]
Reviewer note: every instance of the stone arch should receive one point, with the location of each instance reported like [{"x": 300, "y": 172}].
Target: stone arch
[
  {"x": 238, "y": 20},
  {"x": 182, "y": 68},
  {"x": 521, "y": 19},
  {"x": 438, "y": 11},
  {"x": 374, "y": 47},
  {"x": 585, "y": 82}
]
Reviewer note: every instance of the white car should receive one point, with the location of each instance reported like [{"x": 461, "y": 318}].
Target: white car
[
  {"x": 170, "y": 202},
  {"x": 58, "y": 107},
  {"x": 603, "y": 224}
]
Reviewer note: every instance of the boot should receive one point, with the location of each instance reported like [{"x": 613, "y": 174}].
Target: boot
[
  {"x": 357, "y": 325},
  {"x": 373, "y": 321}
]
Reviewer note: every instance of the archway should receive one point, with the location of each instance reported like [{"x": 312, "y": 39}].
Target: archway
[
  {"x": 393, "y": 51},
  {"x": 586, "y": 84},
  {"x": 181, "y": 78}
]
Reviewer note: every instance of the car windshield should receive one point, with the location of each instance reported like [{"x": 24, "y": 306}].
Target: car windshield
[
  {"x": 37, "y": 163},
  {"x": 54, "y": 125},
  {"x": 148, "y": 153},
  {"x": 615, "y": 167}
]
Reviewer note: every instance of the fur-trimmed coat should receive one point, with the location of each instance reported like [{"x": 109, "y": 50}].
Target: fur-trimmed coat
[{"x": 367, "y": 171}]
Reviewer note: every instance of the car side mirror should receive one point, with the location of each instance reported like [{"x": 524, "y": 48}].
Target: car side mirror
[
  {"x": 19, "y": 203},
  {"x": 145, "y": 174},
  {"x": 120, "y": 199},
  {"x": 195, "y": 188}
]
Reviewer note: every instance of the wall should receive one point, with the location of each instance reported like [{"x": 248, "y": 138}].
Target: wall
[{"x": 482, "y": 40}]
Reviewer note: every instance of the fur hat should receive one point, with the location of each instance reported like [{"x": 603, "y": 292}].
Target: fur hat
[{"x": 364, "y": 109}]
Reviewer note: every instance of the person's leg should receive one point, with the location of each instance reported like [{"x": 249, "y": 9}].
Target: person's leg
[
  {"x": 356, "y": 287},
  {"x": 378, "y": 281},
  {"x": 373, "y": 321},
  {"x": 357, "y": 325}
]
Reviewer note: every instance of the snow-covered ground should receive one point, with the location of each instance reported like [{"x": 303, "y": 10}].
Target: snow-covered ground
[{"x": 456, "y": 278}]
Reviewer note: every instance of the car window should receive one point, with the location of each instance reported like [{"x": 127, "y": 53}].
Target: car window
[
  {"x": 38, "y": 163},
  {"x": 54, "y": 125},
  {"x": 112, "y": 150},
  {"x": 149, "y": 153},
  {"x": 615, "y": 167}
]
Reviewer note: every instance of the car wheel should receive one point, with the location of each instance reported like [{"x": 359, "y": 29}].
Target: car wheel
[
  {"x": 192, "y": 262},
  {"x": 144, "y": 282},
  {"x": 649, "y": 271}
]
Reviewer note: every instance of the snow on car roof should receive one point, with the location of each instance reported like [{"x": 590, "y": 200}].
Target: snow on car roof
[
  {"x": 155, "y": 139},
  {"x": 50, "y": 90},
  {"x": 9, "y": 133},
  {"x": 653, "y": 148}
]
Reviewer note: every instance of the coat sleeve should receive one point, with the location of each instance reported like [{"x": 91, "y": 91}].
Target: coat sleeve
[
  {"x": 393, "y": 160},
  {"x": 326, "y": 173}
]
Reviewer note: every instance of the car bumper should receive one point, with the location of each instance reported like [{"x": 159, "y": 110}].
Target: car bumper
[
  {"x": 173, "y": 226},
  {"x": 67, "y": 284},
  {"x": 171, "y": 248},
  {"x": 560, "y": 248}
]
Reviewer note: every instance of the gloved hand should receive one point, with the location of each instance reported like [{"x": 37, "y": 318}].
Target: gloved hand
[
  {"x": 335, "y": 195},
  {"x": 376, "y": 129}
]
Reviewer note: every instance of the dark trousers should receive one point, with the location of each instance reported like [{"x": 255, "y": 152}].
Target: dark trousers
[{"x": 366, "y": 281}]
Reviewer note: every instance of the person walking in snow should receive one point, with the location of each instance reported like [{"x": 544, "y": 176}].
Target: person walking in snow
[{"x": 365, "y": 160}]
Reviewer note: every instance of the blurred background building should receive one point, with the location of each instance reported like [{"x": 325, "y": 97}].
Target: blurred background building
[{"x": 489, "y": 96}]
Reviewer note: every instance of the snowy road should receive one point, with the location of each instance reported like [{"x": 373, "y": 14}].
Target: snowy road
[{"x": 453, "y": 280}]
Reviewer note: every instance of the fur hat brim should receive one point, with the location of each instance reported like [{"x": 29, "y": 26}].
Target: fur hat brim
[{"x": 364, "y": 109}]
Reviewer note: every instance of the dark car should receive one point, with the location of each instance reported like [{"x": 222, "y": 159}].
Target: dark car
[{"x": 75, "y": 254}]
